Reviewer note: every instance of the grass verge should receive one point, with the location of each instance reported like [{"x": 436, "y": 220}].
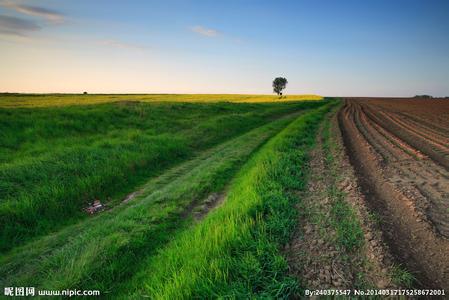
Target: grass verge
[{"x": 343, "y": 218}]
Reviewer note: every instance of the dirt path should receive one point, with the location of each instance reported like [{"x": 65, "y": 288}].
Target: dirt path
[
  {"x": 318, "y": 255},
  {"x": 403, "y": 171}
]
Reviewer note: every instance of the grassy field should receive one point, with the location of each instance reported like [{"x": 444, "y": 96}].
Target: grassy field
[
  {"x": 94, "y": 253},
  {"x": 39, "y": 100},
  {"x": 174, "y": 155},
  {"x": 56, "y": 160}
]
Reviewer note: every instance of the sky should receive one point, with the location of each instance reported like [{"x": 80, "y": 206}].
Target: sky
[{"x": 327, "y": 47}]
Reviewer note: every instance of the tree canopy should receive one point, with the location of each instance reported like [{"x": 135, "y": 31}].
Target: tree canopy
[{"x": 279, "y": 83}]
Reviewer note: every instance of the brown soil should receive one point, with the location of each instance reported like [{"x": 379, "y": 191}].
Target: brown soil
[
  {"x": 314, "y": 256},
  {"x": 400, "y": 149}
]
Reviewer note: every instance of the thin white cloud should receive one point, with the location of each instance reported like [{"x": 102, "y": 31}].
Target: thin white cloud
[
  {"x": 36, "y": 11},
  {"x": 208, "y": 32}
]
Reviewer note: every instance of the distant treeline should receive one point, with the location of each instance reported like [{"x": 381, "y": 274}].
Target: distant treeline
[{"x": 430, "y": 97}]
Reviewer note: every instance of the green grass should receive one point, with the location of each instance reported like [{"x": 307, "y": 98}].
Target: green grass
[
  {"x": 44, "y": 100},
  {"x": 401, "y": 277},
  {"x": 103, "y": 252},
  {"x": 234, "y": 252},
  {"x": 375, "y": 218},
  {"x": 54, "y": 160}
]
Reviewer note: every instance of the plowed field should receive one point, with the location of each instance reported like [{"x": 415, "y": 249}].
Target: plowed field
[{"x": 400, "y": 149}]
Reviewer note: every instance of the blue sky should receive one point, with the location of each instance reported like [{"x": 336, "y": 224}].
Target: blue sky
[{"x": 371, "y": 48}]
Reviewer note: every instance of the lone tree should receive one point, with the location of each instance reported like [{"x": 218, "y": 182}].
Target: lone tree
[{"x": 279, "y": 83}]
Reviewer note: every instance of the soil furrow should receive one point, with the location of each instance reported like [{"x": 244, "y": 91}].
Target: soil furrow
[
  {"x": 412, "y": 239},
  {"x": 395, "y": 150},
  {"x": 425, "y": 123},
  {"x": 439, "y": 135},
  {"x": 415, "y": 141},
  {"x": 428, "y": 201},
  {"x": 414, "y": 153},
  {"x": 383, "y": 152},
  {"x": 436, "y": 145},
  {"x": 421, "y": 133}
]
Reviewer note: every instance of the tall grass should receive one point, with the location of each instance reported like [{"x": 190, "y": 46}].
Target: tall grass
[
  {"x": 104, "y": 251},
  {"x": 53, "y": 161},
  {"x": 234, "y": 252}
]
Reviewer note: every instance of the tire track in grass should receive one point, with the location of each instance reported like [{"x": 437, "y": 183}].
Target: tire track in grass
[
  {"x": 56, "y": 161},
  {"x": 105, "y": 250},
  {"x": 235, "y": 250}
]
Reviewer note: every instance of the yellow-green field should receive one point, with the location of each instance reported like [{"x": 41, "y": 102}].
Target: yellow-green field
[{"x": 43, "y": 100}]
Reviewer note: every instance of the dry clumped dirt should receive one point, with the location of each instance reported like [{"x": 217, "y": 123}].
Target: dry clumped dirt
[{"x": 313, "y": 255}]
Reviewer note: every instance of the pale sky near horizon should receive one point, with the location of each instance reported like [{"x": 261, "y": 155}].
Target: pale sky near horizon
[{"x": 350, "y": 48}]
